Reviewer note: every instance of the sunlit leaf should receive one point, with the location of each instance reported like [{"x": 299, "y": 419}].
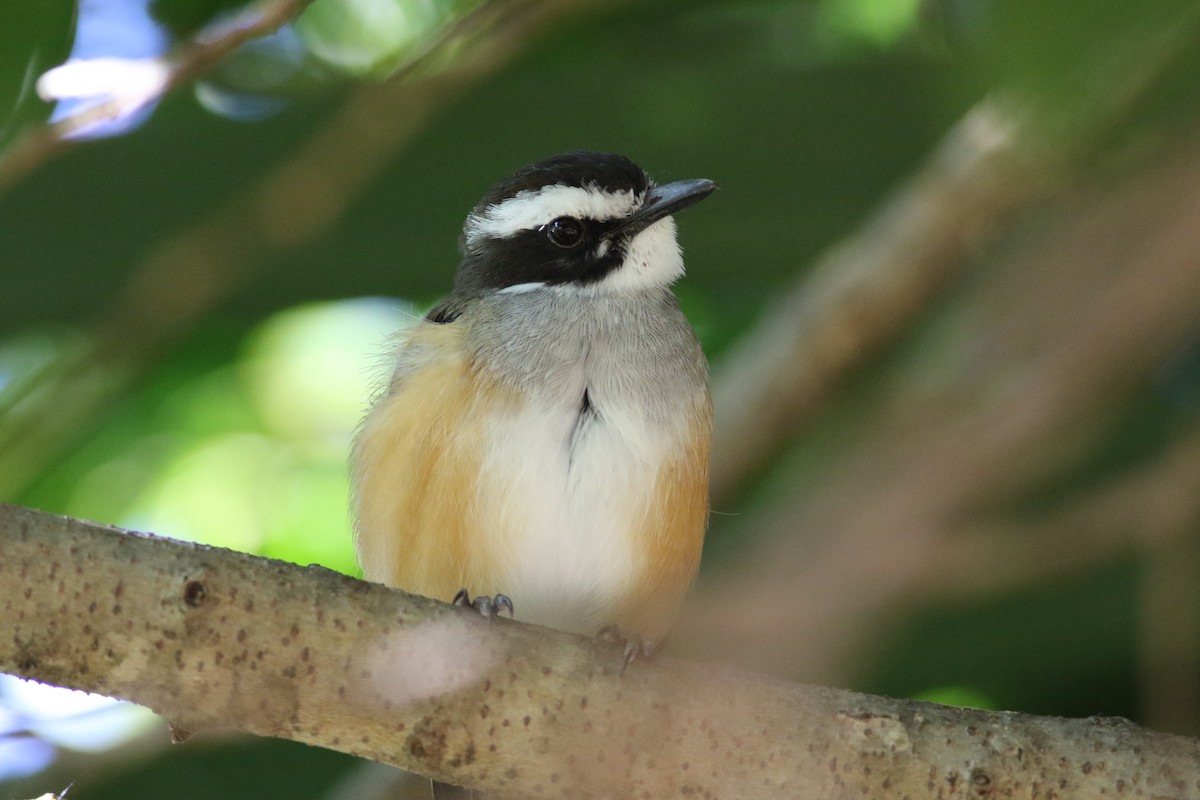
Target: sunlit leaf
[
  {"x": 880, "y": 22},
  {"x": 361, "y": 37}
]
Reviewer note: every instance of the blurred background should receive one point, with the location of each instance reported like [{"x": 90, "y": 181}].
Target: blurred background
[{"x": 950, "y": 291}]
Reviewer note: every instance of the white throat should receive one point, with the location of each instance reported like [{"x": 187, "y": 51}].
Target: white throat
[{"x": 652, "y": 260}]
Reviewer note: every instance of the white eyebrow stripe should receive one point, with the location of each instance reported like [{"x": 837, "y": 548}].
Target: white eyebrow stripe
[{"x": 527, "y": 210}]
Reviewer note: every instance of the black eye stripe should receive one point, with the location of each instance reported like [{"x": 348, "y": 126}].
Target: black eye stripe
[{"x": 530, "y": 256}]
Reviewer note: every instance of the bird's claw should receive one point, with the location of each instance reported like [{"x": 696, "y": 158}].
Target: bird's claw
[
  {"x": 634, "y": 646},
  {"x": 486, "y": 606}
]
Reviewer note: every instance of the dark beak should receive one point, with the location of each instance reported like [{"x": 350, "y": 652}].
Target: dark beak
[{"x": 663, "y": 201}]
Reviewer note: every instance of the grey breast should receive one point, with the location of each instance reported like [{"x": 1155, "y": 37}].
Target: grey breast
[{"x": 636, "y": 350}]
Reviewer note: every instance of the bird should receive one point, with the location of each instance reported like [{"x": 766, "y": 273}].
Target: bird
[{"x": 543, "y": 438}]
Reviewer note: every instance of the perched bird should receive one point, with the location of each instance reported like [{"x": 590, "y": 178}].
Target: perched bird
[{"x": 544, "y": 435}]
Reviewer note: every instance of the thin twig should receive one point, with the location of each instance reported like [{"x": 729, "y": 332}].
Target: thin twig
[{"x": 197, "y": 58}]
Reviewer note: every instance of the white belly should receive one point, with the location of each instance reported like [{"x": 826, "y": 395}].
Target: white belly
[{"x": 570, "y": 500}]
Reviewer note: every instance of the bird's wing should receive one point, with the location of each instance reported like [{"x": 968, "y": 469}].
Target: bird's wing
[
  {"x": 673, "y": 532},
  {"x": 415, "y": 462}
]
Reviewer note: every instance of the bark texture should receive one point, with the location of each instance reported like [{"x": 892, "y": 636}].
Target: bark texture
[{"x": 211, "y": 638}]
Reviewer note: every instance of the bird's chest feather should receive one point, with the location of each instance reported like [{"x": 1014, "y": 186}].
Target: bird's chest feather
[
  {"x": 567, "y": 480},
  {"x": 569, "y": 471}
]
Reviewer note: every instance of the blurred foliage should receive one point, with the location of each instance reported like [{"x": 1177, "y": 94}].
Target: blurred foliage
[
  {"x": 217, "y": 767},
  {"x": 1060, "y": 649},
  {"x": 36, "y": 37},
  {"x": 364, "y": 37},
  {"x": 184, "y": 17},
  {"x": 240, "y": 450},
  {"x": 806, "y": 113}
]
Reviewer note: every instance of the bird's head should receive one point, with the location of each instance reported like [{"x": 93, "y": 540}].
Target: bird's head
[{"x": 594, "y": 221}]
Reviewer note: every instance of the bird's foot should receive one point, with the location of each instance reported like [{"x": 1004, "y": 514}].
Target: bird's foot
[
  {"x": 635, "y": 646},
  {"x": 486, "y": 606}
]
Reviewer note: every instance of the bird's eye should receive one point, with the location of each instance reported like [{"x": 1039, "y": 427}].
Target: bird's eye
[{"x": 566, "y": 232}]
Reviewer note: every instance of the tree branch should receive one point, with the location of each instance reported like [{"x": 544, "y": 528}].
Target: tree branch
[
  {"x": 212, "y": 638},
  {"x": 1047, "y": 349},
  {"x": 1005, "y": 154},
  {"x": 865, "y": 290}
]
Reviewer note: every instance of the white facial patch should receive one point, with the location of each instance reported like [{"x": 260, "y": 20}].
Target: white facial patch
[
  {"x": 528, "y": 210},
  {"x": 652, "y": 259}
]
